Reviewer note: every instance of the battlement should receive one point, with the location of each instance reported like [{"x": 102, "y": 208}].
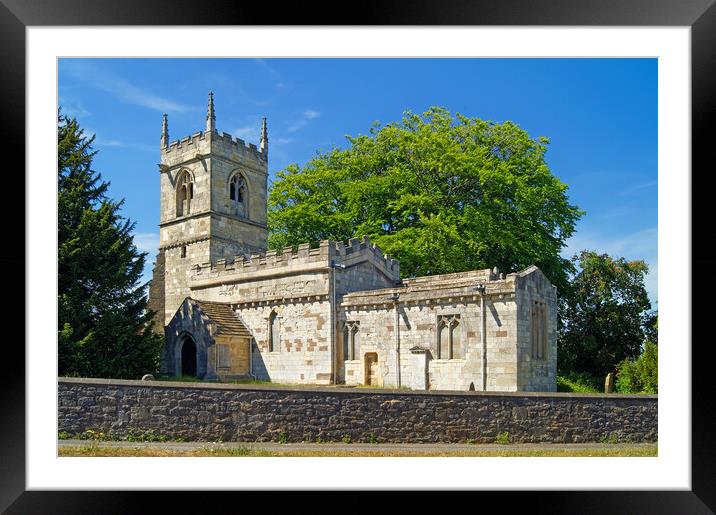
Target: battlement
[
  {"x": 223, "y": 142},
  {"x": 229, "y": 144},
  {"x": 184, "y": 142},
  {"x": 302, "y": 257}
]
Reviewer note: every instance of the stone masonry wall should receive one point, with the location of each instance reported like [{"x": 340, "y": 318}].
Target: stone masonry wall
[
  {"x": 211, "y": 412},
  {"x": 418, "y": 328},
  {"x": 535, "y": 375},
  {"x": 302, "y": 353}
]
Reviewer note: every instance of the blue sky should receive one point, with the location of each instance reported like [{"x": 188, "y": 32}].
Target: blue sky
[{"x": 600, "y": 116}]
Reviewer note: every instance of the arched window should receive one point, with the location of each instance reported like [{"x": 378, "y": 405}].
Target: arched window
[
  {"x": 455, "y": 341},
  {"x": 237, "y": 194},
  {"x": 185, "y": 192},
  {"x": 351, "y": 341},
  {"x": 346, "y": 342},
  {"x": 540, "y": 333},
  {"x": 449, "y": 340},
  {"x": 273, "y": 337},
  {"x": 355, "y": 341},
  {"x": 443, "y": 340}
]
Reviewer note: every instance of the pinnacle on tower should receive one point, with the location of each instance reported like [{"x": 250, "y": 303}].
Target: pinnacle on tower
[
  {"x": 263, "y": 147},
  {"x": 210, "y": 114},
  {"x": 165, "y": 132}
]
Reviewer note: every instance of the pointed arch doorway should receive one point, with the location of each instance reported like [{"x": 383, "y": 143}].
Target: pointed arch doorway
[{"x": 188, "y": 356}]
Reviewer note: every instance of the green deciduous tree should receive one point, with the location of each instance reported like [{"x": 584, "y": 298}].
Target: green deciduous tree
[
  {"x": 104, "y": 328},
  {"x": 604, "y": 314},
  {"x": 440, "y": 193}
]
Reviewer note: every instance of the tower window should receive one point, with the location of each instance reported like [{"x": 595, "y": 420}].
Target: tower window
[
  {"x": 237, "y": 194},
  {"x": 183, "y": 251},
  {"x": 185, "y": 192}
]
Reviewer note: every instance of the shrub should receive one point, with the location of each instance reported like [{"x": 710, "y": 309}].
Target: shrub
[
  {"x": 282, "y": 437},
  {"x": 612, "y": 438},
  {"x": 502, "y": 438},
  {"x": 346, "y": 439},
  {"x": 640, "y": 375}
]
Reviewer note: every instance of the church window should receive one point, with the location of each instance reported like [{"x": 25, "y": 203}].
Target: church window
[
  {"x": 273, "y": 337},
  {"x": 351, "y": 340},
  {"x": 185, "y": 193},
  {"x": 449, "y": 337},
  {"x": 237, "y": 194},
  {"x": 539, "y": 332},
  {"x": 456, "y": 351}
]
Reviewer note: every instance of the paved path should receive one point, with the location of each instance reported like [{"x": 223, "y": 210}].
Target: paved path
[{"x": 358, "y": 447}]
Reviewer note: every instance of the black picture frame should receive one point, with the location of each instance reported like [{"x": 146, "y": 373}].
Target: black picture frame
[{"x": 700, "y": 15}]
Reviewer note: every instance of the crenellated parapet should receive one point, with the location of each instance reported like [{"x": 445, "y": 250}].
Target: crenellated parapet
[
  {"x": 181, "y": 144},
  {"x": 300, "y": 259},
  {"x": 219, "y": 143},
  {"x": 360, "y": 248},
  {"x": 225, "y": 143}
]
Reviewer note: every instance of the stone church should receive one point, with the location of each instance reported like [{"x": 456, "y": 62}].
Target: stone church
[{"x": 333, "y": 313}]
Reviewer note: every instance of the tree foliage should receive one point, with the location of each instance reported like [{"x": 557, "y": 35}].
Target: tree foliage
[
  {"x": 604, "y": 314},
  {"x": 103, "y": 325},
  {"x": 440, "y": 193},
  {"x": 640, "y": 375}
]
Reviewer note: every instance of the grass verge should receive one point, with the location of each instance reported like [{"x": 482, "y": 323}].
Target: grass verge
[{"x": 98, "y": 450}]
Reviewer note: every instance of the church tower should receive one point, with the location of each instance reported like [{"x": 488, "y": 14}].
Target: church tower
[{"x": 213, "y": 206}]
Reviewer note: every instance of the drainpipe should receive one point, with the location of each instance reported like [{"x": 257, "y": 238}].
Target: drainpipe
[
  {"x": 395, "y": 297},
  {"x": 251, "y": 359},
  {"x": 483, "y": 333},
  {"x": 334, "y": 320}
]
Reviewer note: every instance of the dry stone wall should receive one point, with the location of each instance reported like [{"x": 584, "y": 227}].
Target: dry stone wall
[{"x": 211, "y": 412}]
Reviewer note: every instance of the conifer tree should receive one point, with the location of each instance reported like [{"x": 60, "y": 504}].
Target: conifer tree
[{"x": 104, "y": 327}]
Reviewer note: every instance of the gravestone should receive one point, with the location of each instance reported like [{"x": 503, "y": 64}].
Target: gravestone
[{"x": 609, "y": 383}]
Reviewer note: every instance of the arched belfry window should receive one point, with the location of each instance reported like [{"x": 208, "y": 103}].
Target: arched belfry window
[
  {"x": 237, "y": 195},
  {"x": 185, "y": 192}
]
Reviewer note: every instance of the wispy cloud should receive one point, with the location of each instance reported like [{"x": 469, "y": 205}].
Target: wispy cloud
[
  {"x": 73, "y": 108},
  {"x": 638, "y": 245},
  {"x": 116, "y": 143},
  {"x": 280, "y": 83},
  {"x": 247, "y": 133},
  {"x": 638, "y": 187},
  {"x": 100, "y": 142},
  {"x": 303, "y": 120},
  {"x": 121, "y": 88},
  {"x": 147, "y": 242}
]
